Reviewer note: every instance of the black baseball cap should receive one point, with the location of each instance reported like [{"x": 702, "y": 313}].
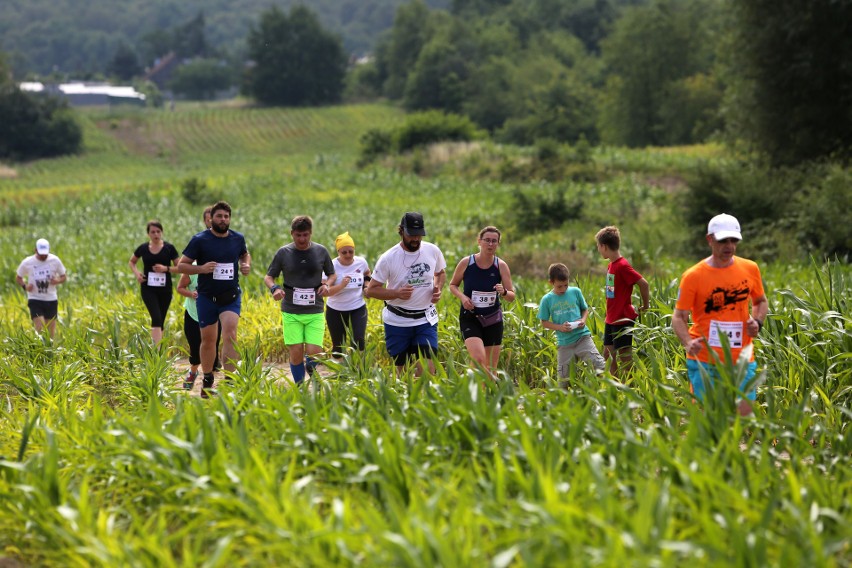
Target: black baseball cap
[{"x": 412, "y": 224}]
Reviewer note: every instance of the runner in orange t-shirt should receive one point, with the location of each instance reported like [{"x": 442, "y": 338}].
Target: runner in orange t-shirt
[{"x": 717, "y": 292}]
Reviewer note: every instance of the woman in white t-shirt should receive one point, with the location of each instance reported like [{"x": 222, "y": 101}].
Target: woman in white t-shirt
[{"x": 345, "y": 309}]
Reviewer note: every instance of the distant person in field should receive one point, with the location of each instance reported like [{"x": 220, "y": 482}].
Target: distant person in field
[
  {"x": 220, "y": 256},
  {"x": 39, "y": 275},
  {"x": 718, "y": 292},
  {"x": 410, "y": 277},
  {"x": 345, "y": 309},
  {"x": 487, "y": 282},
  {"x": 564, "y": 310},
  {"x": 620, "y": 313},
  {"x": 155, "y": 281},
  {"x": 302, "y": 264}
]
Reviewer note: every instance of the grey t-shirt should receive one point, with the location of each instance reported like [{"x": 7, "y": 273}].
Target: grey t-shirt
[{"x": 302, "y": 271}]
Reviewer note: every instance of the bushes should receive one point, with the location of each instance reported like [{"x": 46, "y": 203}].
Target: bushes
[
  {"x": 534, "y": 212},
  {"x": 783, "y": 211},
  {"x": 420, "y": 129},
  {"x": 35, "y": 126}
]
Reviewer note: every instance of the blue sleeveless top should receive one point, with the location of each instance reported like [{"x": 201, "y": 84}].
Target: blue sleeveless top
[{"x": 482, "y": 280}]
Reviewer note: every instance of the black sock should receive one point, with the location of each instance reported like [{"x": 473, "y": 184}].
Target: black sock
[{"x": 208, "y": 380}]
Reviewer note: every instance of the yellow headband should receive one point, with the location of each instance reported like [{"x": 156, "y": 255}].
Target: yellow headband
[{"x": 343, "y": 240}]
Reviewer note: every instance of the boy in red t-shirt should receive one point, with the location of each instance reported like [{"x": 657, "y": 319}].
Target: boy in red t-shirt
[{"x": 620, "y": 313}]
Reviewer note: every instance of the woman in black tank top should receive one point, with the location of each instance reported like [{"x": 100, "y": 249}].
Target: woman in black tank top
[{"x": 487, "y": 282}]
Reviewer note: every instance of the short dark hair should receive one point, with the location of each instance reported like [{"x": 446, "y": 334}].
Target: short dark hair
[
  {"x": 302, "y": 223},
  {"x": 153, "y": 223},
  {"x": 558, "y": 272},
  {"x": 490, "y": 229},
  {"x": 609, "y": 237},
  {"x": 220, "y": 205}
]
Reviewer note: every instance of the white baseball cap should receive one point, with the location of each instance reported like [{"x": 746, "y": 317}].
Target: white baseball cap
[
  {"x": 724, "y": 226},
  {"x": 42, "y": 246}
]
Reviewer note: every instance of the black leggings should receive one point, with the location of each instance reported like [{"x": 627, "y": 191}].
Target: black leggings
[
  {"x": 193, "y": 338},
  {"x": 157, "y": 301},
  {"x": 338, "y": 324},
  {"x": 192, "y": 331}
]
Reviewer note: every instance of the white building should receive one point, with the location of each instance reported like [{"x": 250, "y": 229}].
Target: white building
[{"x": 83, "y": 94}]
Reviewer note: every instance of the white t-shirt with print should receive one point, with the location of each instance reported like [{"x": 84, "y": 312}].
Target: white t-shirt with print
[
  {"x": 39, "y": 273},
  {"x": 351, "y": 297},
  {"x": 398, "y": 267}
]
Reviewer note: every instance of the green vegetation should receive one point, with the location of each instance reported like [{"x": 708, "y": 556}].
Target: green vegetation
[
  {"x": 105, "y": 462},
  {"x": 295, "y": 61},
  {"x": 86, "y": 36},
  {"x": 130, "y": 149},
  {"x": 33, "y": 127}
]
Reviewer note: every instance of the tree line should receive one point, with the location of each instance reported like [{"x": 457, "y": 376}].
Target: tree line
[{"x": 771, "y": 79}]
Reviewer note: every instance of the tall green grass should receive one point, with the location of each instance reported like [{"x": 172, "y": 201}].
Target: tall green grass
[{"x": 104, "y": 461}]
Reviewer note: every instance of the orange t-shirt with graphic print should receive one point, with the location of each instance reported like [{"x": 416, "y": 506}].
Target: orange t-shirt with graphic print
[{"x": 719, "y": 301}]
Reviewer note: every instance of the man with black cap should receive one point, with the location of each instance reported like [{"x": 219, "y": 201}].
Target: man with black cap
[
  {"x": 717, "y": 292},
  {"x": 39, "y": 275},
  {"x": 409, "y": 277}
]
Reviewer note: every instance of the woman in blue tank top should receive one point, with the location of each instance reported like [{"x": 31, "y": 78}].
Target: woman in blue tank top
[{"x": 487, "y": 281}]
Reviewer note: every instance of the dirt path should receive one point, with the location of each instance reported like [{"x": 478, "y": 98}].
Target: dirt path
[{"x": 279, "y": 373}]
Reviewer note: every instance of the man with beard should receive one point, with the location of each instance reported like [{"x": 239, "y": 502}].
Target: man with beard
[
  {"x": 409, "y": 277},
  {"x": 207, "y": 217},
  {"x": 39, "y": 275},
  {"x": 217, "y": 253},
  {"x": 717, "y": 292}
]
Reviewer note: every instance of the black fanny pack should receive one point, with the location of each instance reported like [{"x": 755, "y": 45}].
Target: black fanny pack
[
  {"x": 225, "y": 298},
  {"x": 490, "y": 319},
  {"x": 402, "y": 312}
]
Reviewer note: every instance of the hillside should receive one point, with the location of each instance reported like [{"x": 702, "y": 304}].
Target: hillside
[
  {"x": 80, "y": 36},
  {"x": 139, "y": 146}
]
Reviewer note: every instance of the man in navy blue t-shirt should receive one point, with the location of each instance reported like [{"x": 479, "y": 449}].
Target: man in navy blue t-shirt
[{"x": 220, "y": 256}]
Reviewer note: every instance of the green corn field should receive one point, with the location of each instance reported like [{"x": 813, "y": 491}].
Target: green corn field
[{"x": 105, "y": 461}]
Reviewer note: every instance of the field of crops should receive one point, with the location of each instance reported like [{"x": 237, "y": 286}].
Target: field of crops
[{"x": 105, "y": 462}]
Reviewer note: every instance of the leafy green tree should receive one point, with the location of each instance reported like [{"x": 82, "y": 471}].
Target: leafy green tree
[
  {"x": 492, "y": 95},
  {"x": 200, "y": 79},
  {"x": 124, "y": 64},
  {"x": 789, "y": 65},
  {"x": 562, "y": 109},
  {"x": 650, "y": 49},
  {"x": 190, "y": 39},
  {"x": 34, "y": 126},
  {"x": 296, "y": 61},
  {"x": 437, "y": 80},
  {"x": 398, "y": 54}
]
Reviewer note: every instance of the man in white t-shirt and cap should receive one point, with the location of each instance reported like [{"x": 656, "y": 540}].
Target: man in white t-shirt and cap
[
  {"x": 409, "y": 277},
  {"x": 39, "y": 275}
]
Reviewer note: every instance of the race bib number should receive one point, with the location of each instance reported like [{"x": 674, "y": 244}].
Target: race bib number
[
  {"x": 41, "y": 273},
  {"x": 432, "y": 315},
  {"x": 157, "y": 279},
  {"x": 304, "y": 296},
  {"x": 483, "y": 299},
  {"x": 356, "y": 282},
  {"x": 732, "y": 329},
  {"x": 223, "y": 271}
]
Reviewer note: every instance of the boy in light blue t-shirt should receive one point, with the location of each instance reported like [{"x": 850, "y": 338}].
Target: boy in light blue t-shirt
[{"x": 564, "y": 310}]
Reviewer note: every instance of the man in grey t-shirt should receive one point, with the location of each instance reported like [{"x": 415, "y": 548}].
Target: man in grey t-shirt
[{"x": 302, "y": 263}]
